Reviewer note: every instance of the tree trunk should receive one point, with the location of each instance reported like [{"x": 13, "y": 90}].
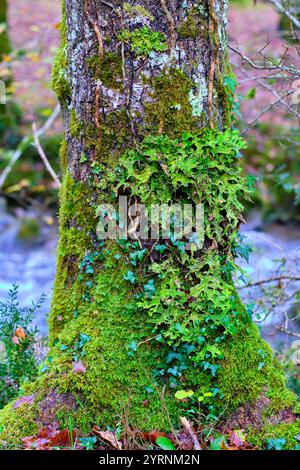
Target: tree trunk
[
  {"x": 146, "y": 92},
  {"x": 4, "y": 38}
]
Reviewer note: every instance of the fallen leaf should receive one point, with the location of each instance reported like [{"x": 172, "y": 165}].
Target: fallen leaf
[
  {"x": 63, "y": 438},
  {"x": 152, "y": 436},
  {"x": 237, "y": 438},
  {"x": 108, "y": 436},
  {"x": 48, "y": 438},
  {"x": 28, "y": 400}
]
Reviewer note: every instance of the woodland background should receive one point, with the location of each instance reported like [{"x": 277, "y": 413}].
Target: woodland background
[{"x": 29, "y": 194}]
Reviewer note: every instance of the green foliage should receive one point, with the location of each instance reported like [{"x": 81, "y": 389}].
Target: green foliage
[
  {"x": 143, "y": 41},
  {"x": 17, "y": 338},
  {"x": 197, "y": 167},
  {"x": 273, "y": 157},
  {"x": 165, "y": 443}
]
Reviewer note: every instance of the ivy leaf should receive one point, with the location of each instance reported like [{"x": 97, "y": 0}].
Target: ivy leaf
[
  {"x": 275, "y": 444},
  {"x": 165, "y": 443},
  {"x": 130, "y": 277},
  {"x": 88, "y": 442}
]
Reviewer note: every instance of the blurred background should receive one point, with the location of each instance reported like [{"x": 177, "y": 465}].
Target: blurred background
[{"x": 264, "y": 46}]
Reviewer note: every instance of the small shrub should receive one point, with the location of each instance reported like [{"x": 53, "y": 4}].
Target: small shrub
[{"x": 18, "y": 363}]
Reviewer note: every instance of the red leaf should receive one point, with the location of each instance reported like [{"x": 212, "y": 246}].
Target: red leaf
[
  {"x": 152, "y": 436},
  {"x": 62, "y": 438},
  {"x": 48, "y": 438}
]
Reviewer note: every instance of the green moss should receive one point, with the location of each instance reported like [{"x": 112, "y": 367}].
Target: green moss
[
  {"x": 63, "y": 155},
  {"x": 193, "y": 26},
  {"x": 75, "y": 125},
  {"x": 108, "y": 70},
  {"x": 116, "y": 382},
  {"x": 76, "y": 221},
  {"x": 15, "y": 424},
  {"x": 241, "y": 379},
  {"x": 170, "y": 110},
  {"x": 5, "y": 46},
  {"x": 286, "y": 432},
  {"x": 60, "y": 81}
]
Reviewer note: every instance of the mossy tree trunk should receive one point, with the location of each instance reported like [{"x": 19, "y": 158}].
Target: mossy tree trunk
[
  {"x": 146, "y": 92},
  {"x": 4, "y": 38}
]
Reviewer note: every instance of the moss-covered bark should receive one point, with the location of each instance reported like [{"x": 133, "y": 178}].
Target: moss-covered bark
[
  {"x": 146, "y": 93},
  {"x": 4, "y": 38}
]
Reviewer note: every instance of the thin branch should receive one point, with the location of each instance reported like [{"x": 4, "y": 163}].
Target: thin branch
[
  {"x": 288, "y": 332},
  {"x": 286, "y": 12},
  {"x": 290, "y": 70},
  {"x": 96, "y": 29},
  {"x": 43, "y": 156},
  {"x": 265, "y": 110},
  {"x": 271, "y": 279},
  {"x": 171, "y": 23},
  {"x": 185, "y": 423},
  {"x": 25, "y": 144}
]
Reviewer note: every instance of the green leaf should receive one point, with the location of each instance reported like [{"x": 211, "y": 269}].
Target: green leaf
[
  {"x": 165, "y": 443},
  {"x": 218, "y": 444},
  {"x": 130, "y": 277},
  {"x": 182, "y": 394},
  {"x": 275, "y": 444},
  {"x": 88, "y": 442},
  {"x": 251, "y": 94}
]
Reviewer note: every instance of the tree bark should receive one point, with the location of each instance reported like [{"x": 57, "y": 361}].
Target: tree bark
[
  {"x": 144, "y": 85},
  {"x": 4, "y": 38}
]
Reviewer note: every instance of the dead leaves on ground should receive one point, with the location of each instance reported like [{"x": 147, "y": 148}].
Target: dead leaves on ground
[
  {"x": 50, "y": 438},
  {"x": 188, "y": 438}
]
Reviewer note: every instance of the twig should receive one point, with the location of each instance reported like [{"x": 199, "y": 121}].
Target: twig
[
  {"x": 288, "y": 332},
  {"x": 107, "y": 4},
  {"x": 191, "y": 432},
  {"x": 271, "y": 279},
  {"x": 265, "y": 110},
  {"x": 25, "y": 144},
  {"x": 286, "y": 12},
  {"x": 43, "y": 156},
  {"x": 290, "y": 70}
]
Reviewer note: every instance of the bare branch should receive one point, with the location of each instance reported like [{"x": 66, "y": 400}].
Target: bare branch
[
  {"x": 25, "y": 143},
  {"x": 43, "y": 156},
  {"x": 271, "y": 279},
  {"x": 286, "y": 12},
  {"x": 288, "y": 332},
  {"x": 290, "y": 70}
]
